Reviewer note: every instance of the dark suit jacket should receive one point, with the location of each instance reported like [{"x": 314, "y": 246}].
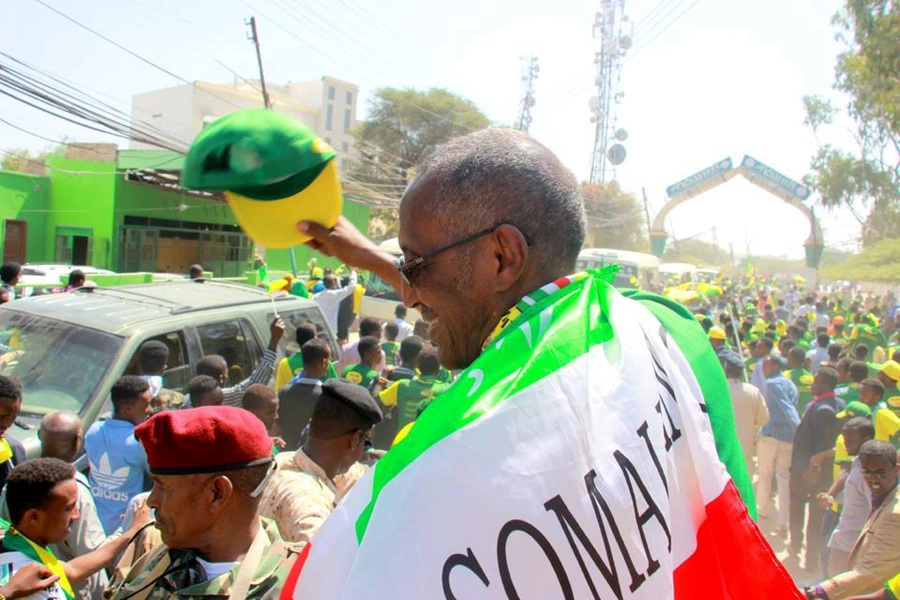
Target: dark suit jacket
[{"x": 295, "y": 408}]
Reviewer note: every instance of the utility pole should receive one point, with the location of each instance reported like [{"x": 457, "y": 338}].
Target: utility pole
[
  {"x": 532, "y": 69},
  {"x": 253, "y": 36}
]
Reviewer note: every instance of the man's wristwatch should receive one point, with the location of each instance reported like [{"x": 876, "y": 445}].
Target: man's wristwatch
[{"x": 815, "y": 592}]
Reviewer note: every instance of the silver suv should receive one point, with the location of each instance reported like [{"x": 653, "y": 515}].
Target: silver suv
[{"x": 68, "y": 349}]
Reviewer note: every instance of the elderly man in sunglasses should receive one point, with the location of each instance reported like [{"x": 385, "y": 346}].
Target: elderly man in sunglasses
[
  {"x": 311, "y": 481},
  {"x": 564, "y": 383}
]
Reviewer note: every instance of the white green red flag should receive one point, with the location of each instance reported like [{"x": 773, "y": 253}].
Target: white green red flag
[{"x": 574, "y": 458}]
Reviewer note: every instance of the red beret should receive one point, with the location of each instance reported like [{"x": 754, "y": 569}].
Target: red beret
[{"x": 208, "y": 439}]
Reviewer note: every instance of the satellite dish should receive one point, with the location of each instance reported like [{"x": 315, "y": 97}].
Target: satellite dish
[
  {"x": 616, "y": 154},
  {"x": 594, "y": 103},
  {"x": 621, "y": 135},
  {"x": 625, "y": 42}
]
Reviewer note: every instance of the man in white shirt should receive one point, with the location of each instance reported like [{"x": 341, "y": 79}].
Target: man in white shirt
[
  {"x": 819, "y": 354},
  {"x": 805, "y": 308},
  {"x": 853, "y": 494},
  {"x": 350, "y": 352},
  {"x": 330, "y": 298},
  {"x": 406, "y": 329}
]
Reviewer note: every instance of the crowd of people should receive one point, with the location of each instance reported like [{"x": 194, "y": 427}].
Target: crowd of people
[
  {"x": 220, "y": 491},
  {"x": 814, "y": 391},
  {"x": 314, "y": 413}
]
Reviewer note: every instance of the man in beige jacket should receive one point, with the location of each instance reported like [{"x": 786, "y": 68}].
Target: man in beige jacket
[
  {"x": 750, "y": 411},
  {"x": 876, "y": 556}
]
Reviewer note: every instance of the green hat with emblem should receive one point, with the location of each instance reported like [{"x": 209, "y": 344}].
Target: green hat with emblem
[{"x": 274, "y": 170}]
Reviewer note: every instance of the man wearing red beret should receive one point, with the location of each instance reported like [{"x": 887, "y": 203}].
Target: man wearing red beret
[{"x": 209, "y": 466}]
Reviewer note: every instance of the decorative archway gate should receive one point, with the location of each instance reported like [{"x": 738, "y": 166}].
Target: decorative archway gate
[{"x": 757, "y": 173}]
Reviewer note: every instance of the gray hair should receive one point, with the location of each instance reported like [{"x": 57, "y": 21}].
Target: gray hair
[{"x": 498, "y": 176}]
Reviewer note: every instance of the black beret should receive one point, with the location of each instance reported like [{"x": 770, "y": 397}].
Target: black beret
[{"x": 356, "y": 397}]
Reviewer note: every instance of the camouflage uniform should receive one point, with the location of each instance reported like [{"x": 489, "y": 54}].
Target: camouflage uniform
[
  {"x": 185, "y": 578},
  {"x": 166, "y": 399},
  {"x": 300, "y": 496}
]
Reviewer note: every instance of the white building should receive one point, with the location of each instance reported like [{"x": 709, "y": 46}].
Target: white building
[{"x": 327, "y": 106}]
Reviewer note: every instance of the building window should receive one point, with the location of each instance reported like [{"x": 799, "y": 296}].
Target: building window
[
  {"x": 346, "y": 120},
  {"x": 344, "y": 146},
  {"x": 331, "y": 92},
  {"x": 349, "y": 97},
  {"x": 329, "y": 116},
  {"x": 328, "y": 141}
]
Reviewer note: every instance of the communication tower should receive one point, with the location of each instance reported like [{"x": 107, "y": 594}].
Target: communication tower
[
  {"x": 612, "y": 34},
  {"x": 529, "y": 75}
]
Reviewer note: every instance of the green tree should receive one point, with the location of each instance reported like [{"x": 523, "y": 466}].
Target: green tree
[
  {"x": 405, "y": 126},
  {"x": 615, "y": 218},
  {"x": 879, "y": 261},
  {"x": 867, "y": 179},
  {"x": 25, "y": 161}
]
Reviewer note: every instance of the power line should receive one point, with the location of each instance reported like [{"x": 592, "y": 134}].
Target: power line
[
  {"x": 407, "y": 49},
  {"x": 131, "y": 52},
  {"x": 239, "y": 76},
  {"x": 76, "y": 95},
  {"x": 331, "y": 33},
  {"x": 64, "y": 105},
  {"x": 652, "y": 15},
  {"x": 663, "y": 30},
  {"x": 350, "y": 69},
  {"x": 80, "y": 88}
]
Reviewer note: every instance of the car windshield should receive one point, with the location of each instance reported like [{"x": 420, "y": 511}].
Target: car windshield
[
  {"x": 60, "y": 364},
  {"x": 376, "y": 287}
]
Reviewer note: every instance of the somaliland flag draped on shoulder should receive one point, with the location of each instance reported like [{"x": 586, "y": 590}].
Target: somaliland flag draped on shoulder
[{"x": 573, "y": 459}]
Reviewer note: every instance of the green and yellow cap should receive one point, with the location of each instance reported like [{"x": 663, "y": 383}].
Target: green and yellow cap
[
  {"x": 890, "y": 368},
  {"x": 855, "y": 409},
  {"x": 717, "y": 333},
  {"x": 274, "y": 170}
]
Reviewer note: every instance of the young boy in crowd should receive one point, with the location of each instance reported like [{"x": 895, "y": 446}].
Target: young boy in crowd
[
  {"x": 205, "y": 391},
  {"x": 118, "y": 462},
  {"x": 390, "y": 345},
  {"x": 12, "y": 452},
  {"x": 42, "y": 500}
]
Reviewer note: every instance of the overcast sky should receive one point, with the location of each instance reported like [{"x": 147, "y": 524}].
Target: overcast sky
[{"x": 707, "y": 80}]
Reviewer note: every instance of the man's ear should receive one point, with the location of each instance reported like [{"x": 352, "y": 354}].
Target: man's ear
[
  {"x": 221, "y": 489},
  {"x": 510, "y": 250},
  {"x": 32, "y": 517}
]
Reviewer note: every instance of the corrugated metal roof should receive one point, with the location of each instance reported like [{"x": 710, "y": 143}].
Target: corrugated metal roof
[{"x": 117, "y": 308}]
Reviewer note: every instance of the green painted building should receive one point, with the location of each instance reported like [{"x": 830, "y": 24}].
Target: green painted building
[{"x": 123, "y": 210}]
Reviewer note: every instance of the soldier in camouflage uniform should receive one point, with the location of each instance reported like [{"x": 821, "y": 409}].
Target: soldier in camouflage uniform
[
  {"x": 185, "y": 577},
  {"x": 209, "y": 466}
]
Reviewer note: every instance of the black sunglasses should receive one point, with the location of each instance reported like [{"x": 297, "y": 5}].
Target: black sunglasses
[
  {"x": 411, "y": 270},
  {"x": 368, "y": 443}
]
